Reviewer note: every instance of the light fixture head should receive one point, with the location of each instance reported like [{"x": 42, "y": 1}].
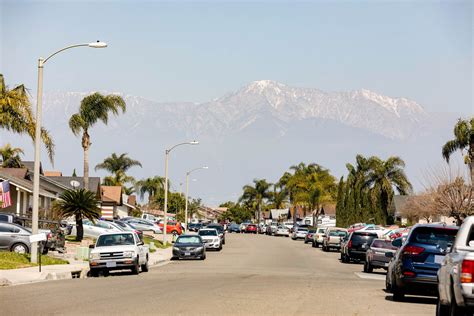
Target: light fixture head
[
  {"x": 205, "y": 167},
  {"x": 194, "y": 142},
  {"x": 98, "y": 44}
]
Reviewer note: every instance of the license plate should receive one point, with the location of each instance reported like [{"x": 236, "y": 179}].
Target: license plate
[
  {"x": 111, "y": 264},
  {"x": 438, "y": 259},
  {"x": 187, "y": 253}
]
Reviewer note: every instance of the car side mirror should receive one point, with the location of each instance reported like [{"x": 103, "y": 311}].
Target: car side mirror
[
  {"x": 91, "y": 246},
  {"x": 140, "y": 243},
  {"x": 389, "y": 254}
]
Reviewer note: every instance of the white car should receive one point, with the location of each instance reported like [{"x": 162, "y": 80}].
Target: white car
[
  {"x": 211, "y": 238},
  {"x": 94, "y": 230},
  {"x": 118, "y": 251},
  {"x": 380, "y": 231},
  {"x": 282, "y": 231},
  {"x": 318, "y": 237},
  {"x": 299, "y": 233}
]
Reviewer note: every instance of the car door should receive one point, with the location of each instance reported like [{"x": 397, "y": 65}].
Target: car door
[
  {"x": 141, "y": 249},
  {"x": 5, "y": 236}
]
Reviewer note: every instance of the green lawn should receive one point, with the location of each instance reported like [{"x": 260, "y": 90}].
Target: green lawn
[
  {"x": 158, "y": 243},
  {"x": 12, "y": 260}
]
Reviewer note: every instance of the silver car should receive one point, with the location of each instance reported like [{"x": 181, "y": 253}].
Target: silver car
[{"x": 14, "y": 238}]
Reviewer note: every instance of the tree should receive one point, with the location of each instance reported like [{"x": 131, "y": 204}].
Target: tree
[
  {"x": 16, "y": 115},
  {"x": 11, "y": 156},
  {"x": 236, "y": 212},
  {"x": 118, "y": 166},
  {"x": 152, "y": 186},
  {"x": 463, "y": 141},
  {"x": 81, "y": 204},
  {"x": 455, "y": 199},
  {"x": 278, "y": 197},
  {"x": 421, "y": 206},
  {"x": 383, "y": 177},
  {"x": 257, "y": 194},
  {"x": 94, "y": 108}
]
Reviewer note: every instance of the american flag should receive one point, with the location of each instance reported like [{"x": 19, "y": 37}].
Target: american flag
[{"x": 5, "y": 198}]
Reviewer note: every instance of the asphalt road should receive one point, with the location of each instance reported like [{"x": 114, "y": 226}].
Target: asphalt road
[{"x": 252, "y": 275}]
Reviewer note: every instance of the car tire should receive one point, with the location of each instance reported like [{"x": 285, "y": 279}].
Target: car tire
[
  {"x": 316, "y": 245},
  {"x": 454, "y": 308},
  {"x": 368, "y": 267},
  {"x": 398, "y": 295},
  {"x": 223, "y": 242},
  {"x": 442, "y": 310},
  {"x": 20, "y": 248},
  {"x": 136, "y": 268},
  {"x": 203, "y": 257},
  {"x": 388, "y": 286},
  {"x": 145, "y": 267},
  {"x": 94, "y": 273}
]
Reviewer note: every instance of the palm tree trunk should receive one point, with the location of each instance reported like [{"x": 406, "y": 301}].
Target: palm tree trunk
[
  {"x": 258, "y": 220},
  {"x": 86, "y": 145},
  {"x": 471, "y": 159},
  {"x": 79, "y": 228}
]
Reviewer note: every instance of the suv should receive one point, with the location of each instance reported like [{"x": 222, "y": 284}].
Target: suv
[
  {"x": 414, "y": 267},
  {"x": 318, "y": 236},
  {"x": 118, "y": 251},
  {"x": 332, "y": 238},
  {"x": 375, "y": 256},
  {"x": 356, "y": 246},
  {"x": 220, "y": 230},
  {"x": 211, "y": 238}
]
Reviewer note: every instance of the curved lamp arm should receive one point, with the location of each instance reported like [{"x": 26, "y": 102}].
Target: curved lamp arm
[{"x": 97, "y": 44}]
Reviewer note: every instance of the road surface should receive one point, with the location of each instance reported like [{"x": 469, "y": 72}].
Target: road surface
[{"x": 252, "y": 275}]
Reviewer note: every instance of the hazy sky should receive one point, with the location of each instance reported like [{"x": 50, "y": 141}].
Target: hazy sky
[{"x": 196, "y": 51}]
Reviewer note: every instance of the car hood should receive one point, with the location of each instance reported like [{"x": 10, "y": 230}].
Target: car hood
[
  {"x": 188, "y": 245},
  {"x": 209, "y": 237},
  {"x": 113, "y": 248}
]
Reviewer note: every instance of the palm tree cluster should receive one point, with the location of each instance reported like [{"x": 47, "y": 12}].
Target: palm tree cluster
[
  {"x": 10, "y": 156},
  {"x": 367, "y": 192},
  {"x": 118, "y": 165}
]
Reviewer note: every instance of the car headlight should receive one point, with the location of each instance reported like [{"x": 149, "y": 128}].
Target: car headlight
[
  {"x": 176, "y": 248},
  {"x": 199, "y": 248},
  {"x": 216, "y": 240},
  {"x": 95, "y": 256},
  {"x": 128, "y": 254}
]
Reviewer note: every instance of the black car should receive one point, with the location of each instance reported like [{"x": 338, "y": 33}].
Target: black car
[
  {"x": 194, "y": 227},
  {"x": 414, "y": 267},
  {"x": 356, "y": 246},
  {"x": 189, "y": 247},
  {"x": 220, "y": 230},
  {"x": 233, "y": 228}
]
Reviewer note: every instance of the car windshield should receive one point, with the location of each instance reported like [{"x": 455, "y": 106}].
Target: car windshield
[
  {"x": 303, "y": 230},
  {"x": 311, "y": 231},
  {"x": 363, "y": 237},
  {"x": 339, "y": 233},
  {"x": 188, "y": 240},
  {"x": 434, "y": 236},
  {"x": 115, "y": 240},
  {"x": 208, "y": 232},
  {"x": 321, "y": 230},
  {"x": 219, "y": 228},
  {"x": 384, "y": 244}
]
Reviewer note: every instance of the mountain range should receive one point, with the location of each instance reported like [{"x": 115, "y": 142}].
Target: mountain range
[{"x": 257, "y": 131}]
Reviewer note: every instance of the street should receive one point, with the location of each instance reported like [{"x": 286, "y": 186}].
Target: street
[{"x": 253, "y": 275}]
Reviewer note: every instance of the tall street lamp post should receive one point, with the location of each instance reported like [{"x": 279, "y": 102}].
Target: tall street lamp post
[
  {"x": 187, "y": 191},
  {"x": 36, "y": 176},
  {"x": 167, "y": 153}
]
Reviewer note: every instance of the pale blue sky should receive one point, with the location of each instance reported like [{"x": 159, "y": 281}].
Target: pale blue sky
[{"x": 196, "y": 51}]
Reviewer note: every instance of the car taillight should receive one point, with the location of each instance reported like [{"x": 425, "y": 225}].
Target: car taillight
[
  {"x": 49, "y": 236},
  {"x": 413, "y": 250},
  {"x": 349, "y": 244},
  {"x": 467, "y": 271},
  {"x": 409, "y": 274}
]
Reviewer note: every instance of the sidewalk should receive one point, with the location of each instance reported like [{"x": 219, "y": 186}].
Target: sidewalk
[{"x": 75, "y": 269}]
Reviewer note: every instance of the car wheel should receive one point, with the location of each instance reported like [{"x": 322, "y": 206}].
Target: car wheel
[
  {"x": 136, "y": 267},
  {"x": 94, "y": 273},
  {"x": 223, "y": 242},
  {"x": 388, "y": 287},
  {"x": 398, "y": 295},
  {"x": 203, "y": 257},
  {"x": 368, "y": 267},
  {"x": 316, "y": 245},
  {"x": 145, "y": 266},
  {"x": 20, "y": 248},
  {"x": 442, "y": 310}
]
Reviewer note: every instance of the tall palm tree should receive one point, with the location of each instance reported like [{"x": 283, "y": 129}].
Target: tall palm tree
[
  {"x": 383, "y": 176},
  {"x": 463, "y": 140},
  {"x": 16, "y": 114},
  {"x": 118, "y": 166},
  {"x": 81, "y": 204},
  {"x": 279, "y": 196},
  {"x": 95, "y": 107},
  {"x": 256, "y": 194},
  {"x": 151, "y": 186},
  {"x": 11, "y": 156}
]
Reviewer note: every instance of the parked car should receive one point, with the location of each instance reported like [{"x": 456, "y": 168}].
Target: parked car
[
  {"x": 211, "y": 238},
  {"x": 262, "y": 229},
  {"x": 143, "y": 225},
  {"x": 194, "y": 227},
  {"x": 282, "y": 230},
  {"x": 118, "y": 251},
  {"x": 127, "y": 227},
  {"x": 309, "y": 237},
  {"x": 289, "y": 224},
  {"x": 189, "y": 246},
  {"x": 299, "y": 233},
  {"x": 414, "y": 267},
  {"x": 332, "y": 238},
  {"x": 173, "y": 228},
  {"x": 271, "y": 229},
  {"x": 375, "y": 256},
  {"x": 94, "y": 230},
  {"x": 220, "y": 231},
  {"x": 251, "y": 229},
  {"x": 456, "y": 274},
  {"x": 318, "y": 237},
  {"x": 243, "y": 226},
  {"x": 10, "y": 218},
  {"x": 379, "y": 230},
  {"x": 15, "y": 238},
  {"x": 356, "y": 246},
  {"x": 233, "y": 228}
]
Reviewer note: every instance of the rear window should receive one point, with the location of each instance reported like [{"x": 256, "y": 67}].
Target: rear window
[
  {"x": 433, "y": 236},
  {"x": 384, "y": 244},
  {"x": 339, "y": 233},
  {"x": 361, "y": 236}
]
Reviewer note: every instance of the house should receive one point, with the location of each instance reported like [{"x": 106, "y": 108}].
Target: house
[
  {"x": 277, "y": 215},
  {"x": 114, "y": 203},
  {"x": 94, "y": 182}
]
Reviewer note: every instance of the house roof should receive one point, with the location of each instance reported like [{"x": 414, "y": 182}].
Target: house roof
[
  {"x": 30, "y": 165},
  {"x": 132, "y": 200},
  {"x": 53, "y": 173},
  {"x": 298, "y": 210},
  {"x": 113, "y": 193},
  {"x": 329, "y": 209},
  {"x": 94, "y": 182},
  {"x": 278, "y": 213},
  {"x": 24, "y": 184},
  {"x": 15, "y": 172}
]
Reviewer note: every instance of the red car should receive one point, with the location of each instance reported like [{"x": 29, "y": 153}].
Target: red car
[{"x": 251, "y": 228}]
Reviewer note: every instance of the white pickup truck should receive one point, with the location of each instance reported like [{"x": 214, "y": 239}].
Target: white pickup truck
[
  {"x": 118, "y": 251},
  {"x": 456, "y": 275}
]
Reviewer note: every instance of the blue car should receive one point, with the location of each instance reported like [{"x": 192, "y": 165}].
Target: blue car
[
  {"x": 414, "y": 267},
  {"x": 233, "y": 228}
]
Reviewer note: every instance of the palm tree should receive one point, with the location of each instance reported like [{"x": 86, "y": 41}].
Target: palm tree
[
  {"x": 463, "y": 140},
  {"x": 383, "y": 176},
  {"x": 81, "y": 204},
  {"x": 279, "y": 196},
  {"x": 151, "y": 186},
  {"x": 257, "y": 194},
  {"x": 11, "y": 156},
  {"x": 95, "y": 107},
  {"x": 16, "y": 114},
  {"x": 118, "y": 166}
]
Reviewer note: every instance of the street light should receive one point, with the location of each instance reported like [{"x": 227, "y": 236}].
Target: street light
[
  {"x": 167, "y": 153},
  {"x": 187, "y": 190},
  {"x": 39, "y": 101}
]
